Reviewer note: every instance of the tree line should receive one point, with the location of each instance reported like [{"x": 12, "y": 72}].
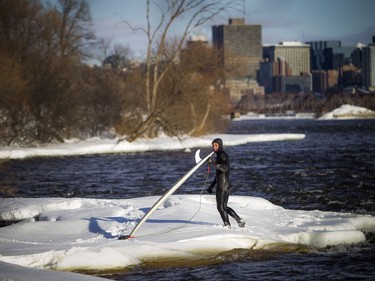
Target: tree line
[{"x": 48, "y": 93}]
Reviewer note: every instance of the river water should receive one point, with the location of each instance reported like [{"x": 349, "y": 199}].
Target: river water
[{"x": 332, "y": 169}]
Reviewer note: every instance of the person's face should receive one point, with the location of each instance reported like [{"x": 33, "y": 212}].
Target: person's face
[{"x": 215, "y": 146}]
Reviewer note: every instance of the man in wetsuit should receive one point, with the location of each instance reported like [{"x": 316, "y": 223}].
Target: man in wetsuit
[{"x": 222, "y": 183}]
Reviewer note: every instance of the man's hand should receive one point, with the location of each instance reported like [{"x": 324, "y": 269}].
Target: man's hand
[
  {"x": 209, "y": 190},
  {"x": 210, "y": 161}
]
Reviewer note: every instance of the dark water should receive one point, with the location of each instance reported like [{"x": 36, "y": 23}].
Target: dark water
[{"x": 332, "y": 169}]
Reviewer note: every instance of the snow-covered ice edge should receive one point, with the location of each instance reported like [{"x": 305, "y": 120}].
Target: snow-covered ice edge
[
  {"x": 81, "y": 234},
  {"x": 163, "y": 143}
]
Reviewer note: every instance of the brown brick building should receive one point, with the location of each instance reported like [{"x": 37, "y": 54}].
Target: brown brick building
[{"x": 240, "y": 46}]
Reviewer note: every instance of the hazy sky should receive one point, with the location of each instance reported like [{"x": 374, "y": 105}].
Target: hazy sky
[{"x": 350, "y": 21}]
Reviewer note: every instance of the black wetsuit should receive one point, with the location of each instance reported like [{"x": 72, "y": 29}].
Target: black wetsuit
[{"x": 223, "y": 185}]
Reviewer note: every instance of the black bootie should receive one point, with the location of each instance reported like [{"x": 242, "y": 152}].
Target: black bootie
[{"x": 241, "y": 223}]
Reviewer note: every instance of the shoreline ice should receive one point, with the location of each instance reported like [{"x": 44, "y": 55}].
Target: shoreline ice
[
  {"x": 69, "y": 234},
  {"x": 163, "y": 143}
]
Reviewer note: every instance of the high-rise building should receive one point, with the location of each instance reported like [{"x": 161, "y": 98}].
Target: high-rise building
[
  {"x": 319, "y": 81},
  {"x": 197, "y": 40},
  {"x": 196, "y": 47},
  {"x": 318, "y": 58},
  {"x": 333, "y": 77},
  {"x": 293, "y": 84},
  {"x": 336, "y": 57},
  {"x": 271, "y": 69},
  {"x": 296, "y": 54},
  {"x": 356, "y": 56},
  {"x": 324, "y": 81},
  {"x": 368, "y": 67},
  {"x": 239, "y": 88},
  {"x": 350, "y": 76},
  {"x": 331, "y": 55},
  {"x": 240, "y": 46}
]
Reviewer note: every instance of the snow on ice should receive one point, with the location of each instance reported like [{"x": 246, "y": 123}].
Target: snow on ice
[
  {"x": 101, "y": 146},
  {"x": 347, "y": 111},
  {"x": 76, "y": 233}
]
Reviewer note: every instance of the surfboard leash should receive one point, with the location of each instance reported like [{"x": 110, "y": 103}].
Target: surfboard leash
[{"x": 200, "y": 202}]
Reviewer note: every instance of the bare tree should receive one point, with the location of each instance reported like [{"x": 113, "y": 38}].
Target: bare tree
[
  {"x": 160, "y": 57},
  {"x": 201, "y": 70},
  {"x": 40, "y": 50},
  {"x": 75, "y": 34},
  {"x": 19, "y": 37},
  {"x": 103, "y": 49}
]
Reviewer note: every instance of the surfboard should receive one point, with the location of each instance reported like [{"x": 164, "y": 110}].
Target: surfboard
[{"x": 168, "y": 193}]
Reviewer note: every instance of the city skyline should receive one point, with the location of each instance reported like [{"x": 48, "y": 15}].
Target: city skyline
[{"x": 348, "y": 21}]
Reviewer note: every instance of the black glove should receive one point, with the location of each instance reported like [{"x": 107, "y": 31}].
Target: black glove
[{"x": 209, "y": 189}]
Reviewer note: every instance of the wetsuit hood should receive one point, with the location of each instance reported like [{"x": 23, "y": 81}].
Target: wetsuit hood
[{"x": 220, "y": 143}]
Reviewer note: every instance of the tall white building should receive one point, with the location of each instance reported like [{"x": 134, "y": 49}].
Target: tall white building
[{"x": 295, "y": 53}]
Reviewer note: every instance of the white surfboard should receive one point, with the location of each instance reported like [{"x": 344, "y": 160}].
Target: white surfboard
[{"x": 199, "y": 162}]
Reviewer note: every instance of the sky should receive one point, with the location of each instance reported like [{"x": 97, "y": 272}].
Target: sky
[{"x": 350, "y": 21}]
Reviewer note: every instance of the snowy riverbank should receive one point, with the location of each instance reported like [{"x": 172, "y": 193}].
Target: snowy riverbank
[
  {"x": 163, "y": 143},
  {"x": 345, "y": 111}
]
